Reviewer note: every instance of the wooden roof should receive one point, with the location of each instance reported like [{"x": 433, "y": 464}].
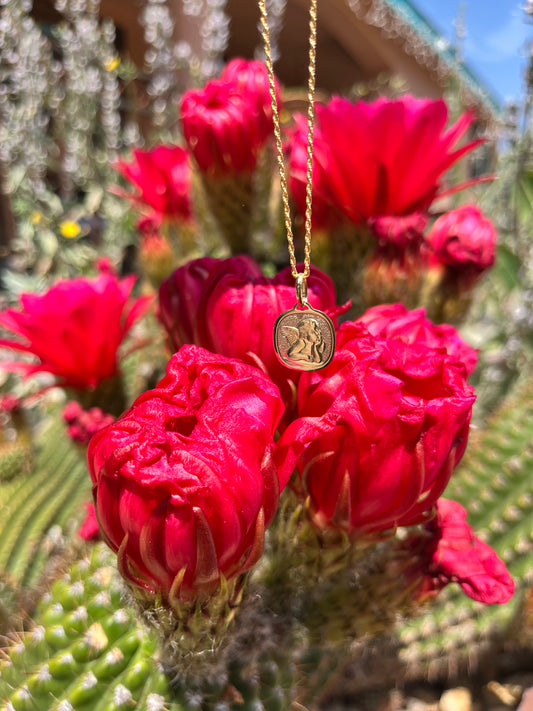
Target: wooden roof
[{"x": 358, "y": 41}]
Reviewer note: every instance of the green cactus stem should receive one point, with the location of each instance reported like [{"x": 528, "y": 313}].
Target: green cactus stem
[
  {"x": 494, "y": 484},
  {"x": 15, "y": 460},
  {"x": 39, "y": 507},
  {"x": 231, "y": 203},
  {"x": 87, "y": 650}
]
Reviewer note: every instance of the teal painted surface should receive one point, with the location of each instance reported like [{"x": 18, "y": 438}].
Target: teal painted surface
[{"x": 442, "y": 47}]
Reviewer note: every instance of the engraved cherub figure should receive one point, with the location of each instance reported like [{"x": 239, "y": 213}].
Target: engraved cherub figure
[{"x": 306, "y": 341}]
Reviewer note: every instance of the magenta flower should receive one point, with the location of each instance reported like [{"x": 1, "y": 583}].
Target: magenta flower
[
  {"x": 463, "y": 241},
  {"x": 379, "y": 432},
  {"x": 455, "y": 554},
  {"x": 397, "y": 235},
  {"x": 325, "y": 213},
  {"x": 396, "y": 268},
  {"x": 74, "y": 329},
  {"x": 179, "y": 300},
  {"x": 184, "y": 482},
  {"x": 83, "y": 424},
  {"x": 162, "y": 181},
  {"x": 385, "y": 158},
  {"x": 251, "y": 78},
  {"x": 412, "y": 327},
  {"x": 227, "y": 123},
  {"x": 10, "y": 403}
]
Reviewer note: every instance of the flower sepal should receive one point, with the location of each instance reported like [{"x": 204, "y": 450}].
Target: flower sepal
[
  {"x": 109, "y": 395},
  {"x": 195, "y": 634}
]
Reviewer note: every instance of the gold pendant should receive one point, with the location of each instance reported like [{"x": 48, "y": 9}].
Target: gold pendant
[{"x": 304, "y": 339}]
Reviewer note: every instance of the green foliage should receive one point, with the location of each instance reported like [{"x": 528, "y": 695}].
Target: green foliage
[
  {"x": 88, "y": 650},
  {"x": 523, "y": 195},
  {"x": 38, "y": 509},
  {"x": 494, "y": 484},
  {"x": 85, "y": 650}
]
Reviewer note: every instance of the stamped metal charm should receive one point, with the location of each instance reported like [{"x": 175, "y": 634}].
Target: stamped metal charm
[{"x": 304, "y": 338}]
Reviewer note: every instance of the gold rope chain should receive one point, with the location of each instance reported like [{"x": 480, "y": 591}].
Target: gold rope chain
[
  {"x": 304, "y": 337},
  {"x": 301, "y": 277}
]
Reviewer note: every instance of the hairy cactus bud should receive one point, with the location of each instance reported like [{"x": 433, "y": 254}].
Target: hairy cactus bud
[
  {"x": 380, "y": 432},
  {"x": 184, "y": 481}
]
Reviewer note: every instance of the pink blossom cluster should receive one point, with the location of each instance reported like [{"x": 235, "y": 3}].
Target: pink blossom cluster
[
  {"x": 380, "y": 163},
  {"x": 188, "y": 479},
  {"x": 83, "y": 424}
]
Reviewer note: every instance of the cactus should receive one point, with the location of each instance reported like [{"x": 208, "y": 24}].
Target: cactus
[
  {"x": 88, "y": 650},
  {"x": 37, "y": 508},
  {"x": 85, "y": 650},
  {"x": 15, "y": 459},
  {"x": 291, "y": 636},
  {"x": 494, "y": 482}
]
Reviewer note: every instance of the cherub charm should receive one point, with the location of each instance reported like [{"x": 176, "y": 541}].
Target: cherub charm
[{"x": 304, "y": 339}]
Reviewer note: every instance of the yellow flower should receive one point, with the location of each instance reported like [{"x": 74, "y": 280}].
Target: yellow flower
[
  {"x": 112, "y": 64},
  {"x": 69, "y": 229},
  {"x": 36, "y": 217}
]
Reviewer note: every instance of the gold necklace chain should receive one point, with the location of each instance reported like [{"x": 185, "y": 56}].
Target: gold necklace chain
[
  {"x": 304, "y": 337},
  {"x": 300, "y": 277}
]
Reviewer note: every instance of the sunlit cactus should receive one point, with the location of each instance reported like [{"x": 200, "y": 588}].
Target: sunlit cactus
[{"x": 252, "y": 529}]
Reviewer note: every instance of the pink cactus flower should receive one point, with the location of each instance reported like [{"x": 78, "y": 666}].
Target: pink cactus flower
[
  {"x": 384, "y": 158},
  {"x": 184, "y": 482},
  {"x": 379, "y": 432},
  {"x": 455, "y": 554},
  {"x": 463, "y": 241},
  {"x": 74, "y": 329},
  {"x": 228, "y": 121},
  {"x": 161, "y": 178}
]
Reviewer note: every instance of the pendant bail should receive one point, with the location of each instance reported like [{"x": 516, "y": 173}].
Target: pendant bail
[{"x": 301, "y": 291}]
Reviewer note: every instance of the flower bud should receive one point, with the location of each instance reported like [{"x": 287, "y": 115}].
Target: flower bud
[
  {"x": 396, "y": 269},
  {"x": 89, "y": 529},
  {"x": 83, "y": 424},
  {"x": 461, "y": 246},
  {"x": 155, "y": 254},
  {"x": 379, "y": 432},
  {"x": 184, "y": 482},
  {"x": 463, "y": 241}
]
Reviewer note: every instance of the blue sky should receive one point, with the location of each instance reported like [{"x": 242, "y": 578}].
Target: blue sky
[{"x": 496, "y": 42}]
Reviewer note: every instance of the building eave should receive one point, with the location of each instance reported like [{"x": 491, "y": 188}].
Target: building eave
[{"x": 400, "y": 21}]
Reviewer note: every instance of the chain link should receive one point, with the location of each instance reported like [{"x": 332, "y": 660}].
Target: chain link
[{"x": 277, "y": 134}]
